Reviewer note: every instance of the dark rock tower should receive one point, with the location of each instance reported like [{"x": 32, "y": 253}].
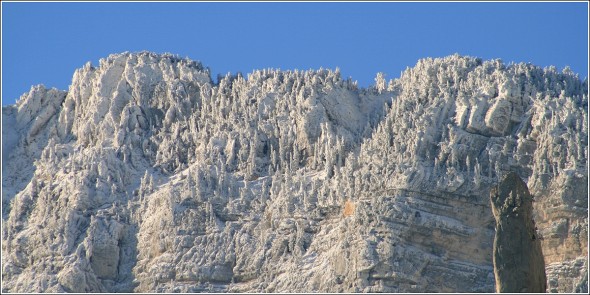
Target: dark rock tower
[{"x": 518, "y": 259}]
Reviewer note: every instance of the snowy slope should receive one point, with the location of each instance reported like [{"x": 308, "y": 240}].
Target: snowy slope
[{"x": 146, "y": 176}]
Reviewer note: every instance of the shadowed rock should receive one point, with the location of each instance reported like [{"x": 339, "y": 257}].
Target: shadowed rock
[{"x": 518, "y": 260}]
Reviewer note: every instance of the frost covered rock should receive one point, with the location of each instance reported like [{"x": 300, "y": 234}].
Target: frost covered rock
[{"x": 288, "y": 181}]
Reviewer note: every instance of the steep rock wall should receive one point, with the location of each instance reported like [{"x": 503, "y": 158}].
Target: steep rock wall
[{"x": 150, "y": 177}]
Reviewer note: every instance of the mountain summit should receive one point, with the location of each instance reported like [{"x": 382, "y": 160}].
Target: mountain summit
[{"x": 146, "y": 176}]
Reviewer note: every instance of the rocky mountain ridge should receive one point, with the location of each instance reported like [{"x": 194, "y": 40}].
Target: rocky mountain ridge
[{"x": 147, "y": 176}]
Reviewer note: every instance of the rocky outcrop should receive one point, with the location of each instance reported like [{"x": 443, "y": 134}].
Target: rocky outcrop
[
  {"x": 288, "y": 181},
  {"x": 519, "y": 265}
]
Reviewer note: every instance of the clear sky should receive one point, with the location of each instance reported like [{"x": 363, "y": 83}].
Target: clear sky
[{"x": 43, "y": 43}]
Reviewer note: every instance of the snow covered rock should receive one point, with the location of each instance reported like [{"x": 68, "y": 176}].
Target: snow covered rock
[{"x": 288, "y": 181}]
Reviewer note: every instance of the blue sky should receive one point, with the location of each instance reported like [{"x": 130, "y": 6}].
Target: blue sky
[{"x": 43, "y": 43}]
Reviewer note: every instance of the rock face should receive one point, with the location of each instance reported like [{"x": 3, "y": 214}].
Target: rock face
[
  {"x": 519, "y": 265},
  {"x": 147, "y": 176}
]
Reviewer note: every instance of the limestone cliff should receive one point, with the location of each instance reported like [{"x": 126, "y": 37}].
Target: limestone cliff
[{"x": 148, "y": 176}]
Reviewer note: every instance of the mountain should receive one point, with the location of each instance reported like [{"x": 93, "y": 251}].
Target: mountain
[{"x": 148, "y": 176}]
